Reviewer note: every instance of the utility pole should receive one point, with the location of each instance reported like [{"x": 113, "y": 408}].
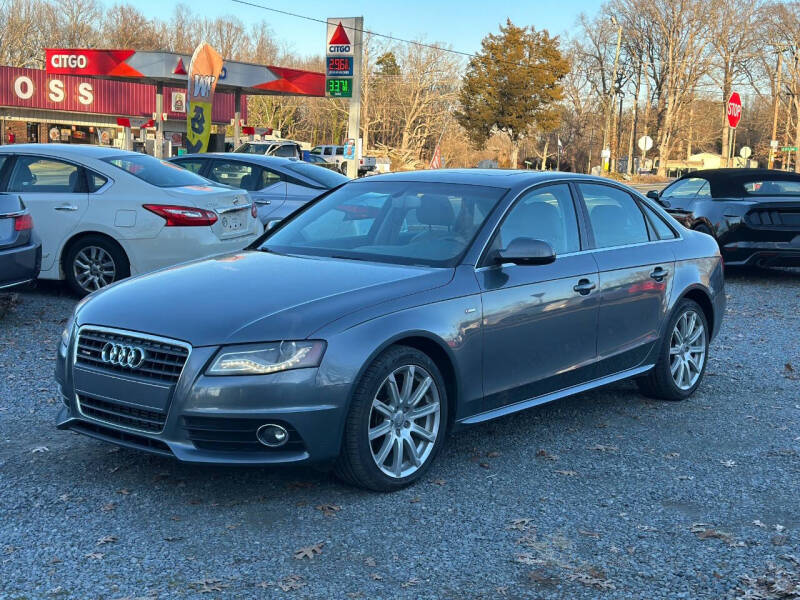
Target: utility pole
[
  {"x": 610, "y": 108},
  {"x": 776, "y": 102},
  {"x": 618, "y": 130},
  {"x": 354, "y": 121}
]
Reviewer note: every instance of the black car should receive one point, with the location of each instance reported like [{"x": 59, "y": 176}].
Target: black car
[
  {"x": 20, "y": 248},
  {"x": 754, "y": 214}
]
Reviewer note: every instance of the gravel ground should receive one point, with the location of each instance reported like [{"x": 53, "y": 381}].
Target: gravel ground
[{"x": 604, "y": 495}]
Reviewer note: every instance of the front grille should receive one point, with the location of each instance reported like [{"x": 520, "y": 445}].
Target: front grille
[
  {"x": 123, "y": 415},
  {"x": 215, "y": 433},
  {"x": 774, "y": 218},
  {"x": 163, "y": 361}
]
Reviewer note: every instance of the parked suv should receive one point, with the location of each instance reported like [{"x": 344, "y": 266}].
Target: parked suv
[{"x": 281, "y": 149}]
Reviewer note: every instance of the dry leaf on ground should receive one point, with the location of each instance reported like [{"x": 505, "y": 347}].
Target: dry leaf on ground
[{"x": 309, "y": 551}]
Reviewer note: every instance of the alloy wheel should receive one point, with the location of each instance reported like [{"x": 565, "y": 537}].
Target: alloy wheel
[
  {"x": 94, "y": 268},
  {"x": 687, "y": 350},
  {"x": 404, "y": 421}
]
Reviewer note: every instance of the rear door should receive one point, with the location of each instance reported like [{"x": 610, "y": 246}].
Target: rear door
[
  {"x": 55, "y": 192},
  {"x": 636, "y": 271},
  {"x": 540, "y": 321}
]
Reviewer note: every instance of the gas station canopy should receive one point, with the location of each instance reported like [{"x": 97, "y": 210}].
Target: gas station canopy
[{"x": 170, "y": 69}]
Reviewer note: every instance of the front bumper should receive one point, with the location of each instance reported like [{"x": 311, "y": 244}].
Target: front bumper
[
  {"x": 213, "y": 419},
  {"x": 762, "y": 253}
]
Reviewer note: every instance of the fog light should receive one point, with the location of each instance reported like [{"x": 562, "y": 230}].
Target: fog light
[{"x": 272, "y": 435}]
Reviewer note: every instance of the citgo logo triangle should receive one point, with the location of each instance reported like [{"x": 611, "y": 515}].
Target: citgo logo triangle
[
  {"x": 180, "y": 69},
  {"x": 339, "y": 37}
]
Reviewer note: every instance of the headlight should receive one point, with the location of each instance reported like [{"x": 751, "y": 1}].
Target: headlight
[{"x": 271, "y": 357}]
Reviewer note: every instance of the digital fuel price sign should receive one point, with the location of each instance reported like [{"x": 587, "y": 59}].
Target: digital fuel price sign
[
  {"x": 339, "y": 66},
  {"x": 339, "y": 87}
]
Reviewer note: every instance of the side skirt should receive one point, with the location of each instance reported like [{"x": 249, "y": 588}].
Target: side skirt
[{"x": 576, "y": 389}]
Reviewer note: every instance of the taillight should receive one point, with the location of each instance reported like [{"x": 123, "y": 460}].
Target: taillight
[
  {"x": 182, "y": 216},
  {"x": 23, "y": 223},
  {"x": 254, "y": 210}
]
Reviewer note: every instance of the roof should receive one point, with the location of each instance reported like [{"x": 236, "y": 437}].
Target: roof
[
  {"x": 503, "y": 178},
  {"x": 73, "y": 150},
  {"x": 245, "y": 157}
]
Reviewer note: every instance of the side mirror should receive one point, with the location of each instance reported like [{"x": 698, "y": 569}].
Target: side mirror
[
  {"x": 526, "y": 251},
  {"x": 654, "y": 195}
]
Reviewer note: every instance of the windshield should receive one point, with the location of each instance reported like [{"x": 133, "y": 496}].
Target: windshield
[
  {"x": 325, "y": 178},
  {"x": 155, "y": 171},
  {"x": 399, "y": 222}
]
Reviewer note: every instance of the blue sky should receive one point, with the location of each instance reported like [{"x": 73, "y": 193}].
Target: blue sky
[{"x": 460, "y": 23}]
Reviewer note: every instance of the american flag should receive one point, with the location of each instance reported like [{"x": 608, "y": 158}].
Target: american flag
[{"x": 436, "y": 161}]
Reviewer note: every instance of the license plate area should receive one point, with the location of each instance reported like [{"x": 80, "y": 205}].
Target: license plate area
[
  {"x": 122, "y": 390},
  {"x": 234, "y": 222}
]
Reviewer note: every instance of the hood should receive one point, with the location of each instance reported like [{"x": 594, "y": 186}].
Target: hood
[{"x": 252, "y": 296}]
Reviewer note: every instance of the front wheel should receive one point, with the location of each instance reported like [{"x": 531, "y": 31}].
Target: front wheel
[
  {"x": 683, "y": 355},
  {"x": 397, "y": 422}
]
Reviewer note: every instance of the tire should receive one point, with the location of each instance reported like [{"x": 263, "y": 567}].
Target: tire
[
  {"x": 360, "y": 458},
  {"x": 662, "y": 380},
  {"x": 94, "y": 252}
]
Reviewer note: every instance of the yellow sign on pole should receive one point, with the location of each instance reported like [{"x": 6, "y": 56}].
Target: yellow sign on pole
[{"x": 204, "y": 72}]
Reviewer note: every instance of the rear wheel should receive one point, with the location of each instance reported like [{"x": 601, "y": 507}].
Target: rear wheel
[
  {"x": 93, "y": 262},
  {"x": 397, "y": 422},
  {"x": 683, "y": 355}
]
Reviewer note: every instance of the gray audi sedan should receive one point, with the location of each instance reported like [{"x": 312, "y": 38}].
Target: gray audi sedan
[{"x": 389, "y": 312}]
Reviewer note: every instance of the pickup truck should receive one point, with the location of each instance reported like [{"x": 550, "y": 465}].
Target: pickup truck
[{"x": 335, "y": 154}]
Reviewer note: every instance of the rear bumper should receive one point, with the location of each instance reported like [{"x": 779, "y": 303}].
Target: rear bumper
[
  {"x": 762, "y": 254},
  {"x": 175, "y": 245},
  {"x": 20, "y": 264}
]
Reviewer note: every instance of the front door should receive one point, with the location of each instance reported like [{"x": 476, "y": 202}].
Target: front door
[
  {"x": 55, "y": 192},
  {"x": 539, "y": 321},
  {"x": 636, "y": 272}
]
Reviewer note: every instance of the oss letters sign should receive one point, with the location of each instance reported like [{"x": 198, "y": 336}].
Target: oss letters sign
[{"x": 34, "y": 89}]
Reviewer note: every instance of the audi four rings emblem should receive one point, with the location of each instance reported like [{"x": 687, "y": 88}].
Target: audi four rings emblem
[{"x": 123, "y": 356}]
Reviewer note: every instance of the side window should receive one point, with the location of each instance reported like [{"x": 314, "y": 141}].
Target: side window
[
  {"x": 686, "y": 188},
  {"x": 40, "y": 174},
  {"x": 96, "y": 181},
  {"x": 269, "y": 178},
  {"x": 663, "y": 231},
  {"x": 235, "y": 173},
  {"x": 195, "y": 165},
  {"x": 328, "y": 151},
  {"x": 316, "y": 150},
  {"x": 704, "y": 192},
  {"x": 339, "y": 151},
  {"x": 614, "y": 215},
  {"x": 286, "y": 151},
  {"x": 546, "y": 213}
]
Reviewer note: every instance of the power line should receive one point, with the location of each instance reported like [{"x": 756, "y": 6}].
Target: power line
[{"x": 388, "y": 37}]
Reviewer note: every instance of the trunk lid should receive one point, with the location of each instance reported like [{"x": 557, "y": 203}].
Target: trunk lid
[{"x": 232, "y": 206}]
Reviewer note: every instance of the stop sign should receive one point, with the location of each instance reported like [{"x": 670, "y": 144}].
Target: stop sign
[{"x": 734, "y": 110}]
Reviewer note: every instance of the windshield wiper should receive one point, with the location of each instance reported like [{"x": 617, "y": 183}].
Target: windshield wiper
[{"x": 350, "y": 258}]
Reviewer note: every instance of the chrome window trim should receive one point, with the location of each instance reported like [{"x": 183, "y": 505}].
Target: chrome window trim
[
  {"x": 68, "y": 161},
  {"x": 144, "y": 336}
]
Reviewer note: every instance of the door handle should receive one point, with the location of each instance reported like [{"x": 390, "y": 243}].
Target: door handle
[
  {"x": 263, "y": 201},
  {"x": 67, "y": 207},
  {"x": 658, "y": 274},
  {"x": 584, "y": 287}
]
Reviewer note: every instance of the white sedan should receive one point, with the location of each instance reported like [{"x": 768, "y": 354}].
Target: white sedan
[{"x": 104, "y": 214}]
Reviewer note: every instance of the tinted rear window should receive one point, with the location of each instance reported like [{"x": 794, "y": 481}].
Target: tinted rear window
[
  {"x": 772, "y": 187},
  {"x": 156, "y": 172}
]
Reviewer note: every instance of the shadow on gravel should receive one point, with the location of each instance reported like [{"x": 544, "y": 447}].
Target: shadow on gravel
[{"x": 762, "y": 274}]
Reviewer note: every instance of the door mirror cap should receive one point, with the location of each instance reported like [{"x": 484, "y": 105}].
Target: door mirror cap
[{"x": 526, "y": 251}]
